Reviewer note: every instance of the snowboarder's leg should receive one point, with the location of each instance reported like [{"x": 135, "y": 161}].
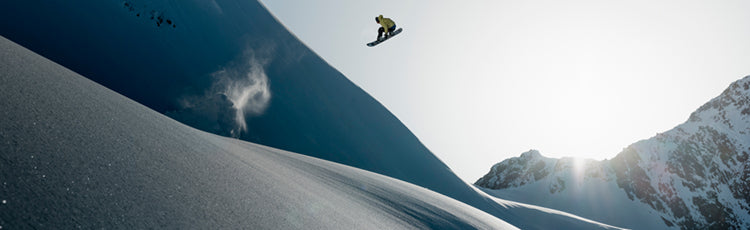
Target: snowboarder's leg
[
  {"x": 390, "y": 31},
  {"x": 380, "y": 32}
]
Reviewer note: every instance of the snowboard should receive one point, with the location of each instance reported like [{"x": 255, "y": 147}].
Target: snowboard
[{"x": 376, "y": 42}]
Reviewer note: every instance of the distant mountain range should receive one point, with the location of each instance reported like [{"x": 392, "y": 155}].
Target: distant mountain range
[{"x": 695, "y": 176}]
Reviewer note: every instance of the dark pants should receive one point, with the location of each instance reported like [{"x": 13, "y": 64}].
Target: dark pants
[{"x": 381, "y": 31}]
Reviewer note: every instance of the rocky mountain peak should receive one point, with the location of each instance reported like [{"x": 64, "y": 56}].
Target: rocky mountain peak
[
  {"x": 531, "y": 154},
  {"x": 529, "y": 167}
]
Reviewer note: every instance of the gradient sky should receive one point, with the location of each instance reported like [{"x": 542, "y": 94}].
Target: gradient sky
[{"x": 480, "y": 81}]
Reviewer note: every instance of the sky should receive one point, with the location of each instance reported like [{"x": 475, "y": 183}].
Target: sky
[{"x": 480, "y": 81}]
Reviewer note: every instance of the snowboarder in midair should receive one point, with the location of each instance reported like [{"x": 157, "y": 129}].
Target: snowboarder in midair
[{"x": 387, "y": 26}]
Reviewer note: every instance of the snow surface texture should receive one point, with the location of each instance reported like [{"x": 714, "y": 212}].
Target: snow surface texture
[
  {"x": 695, "y": 176},
  {"x": 228, "y": 67},
  {"x": 77, "y": 155}
]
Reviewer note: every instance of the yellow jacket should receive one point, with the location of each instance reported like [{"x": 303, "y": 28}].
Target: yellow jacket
[{"x": 385, "y": 22}]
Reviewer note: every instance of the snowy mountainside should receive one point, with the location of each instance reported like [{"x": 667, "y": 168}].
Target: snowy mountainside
[
  {"x": 74, "y": 154},
  {"x": 694, "y": 176},
  {"x": 230, "y": 68}
]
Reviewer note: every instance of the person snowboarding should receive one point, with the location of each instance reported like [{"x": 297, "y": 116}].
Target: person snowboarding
[{"x": 387, "y": 28}]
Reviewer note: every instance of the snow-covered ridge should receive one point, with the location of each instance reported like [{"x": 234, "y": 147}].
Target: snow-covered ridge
[
  {"x": 78, "y": 155},
  {"x": 694, "y": 176},
  {"x": 531, "y": 166}
]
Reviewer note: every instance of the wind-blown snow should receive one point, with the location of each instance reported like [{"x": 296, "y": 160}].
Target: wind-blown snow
[{"x": 247, "y": 86}]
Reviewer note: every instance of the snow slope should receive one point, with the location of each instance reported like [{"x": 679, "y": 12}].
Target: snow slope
[
  {"x": 694, "y": 176},
  {"x": 228, "y": 67},
  {"x": 77, "y": 155}
]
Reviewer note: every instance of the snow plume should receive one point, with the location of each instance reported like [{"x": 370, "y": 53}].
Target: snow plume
[
  {"x": 246, "y": 86},
  {"x": 239, "y": 90}
]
